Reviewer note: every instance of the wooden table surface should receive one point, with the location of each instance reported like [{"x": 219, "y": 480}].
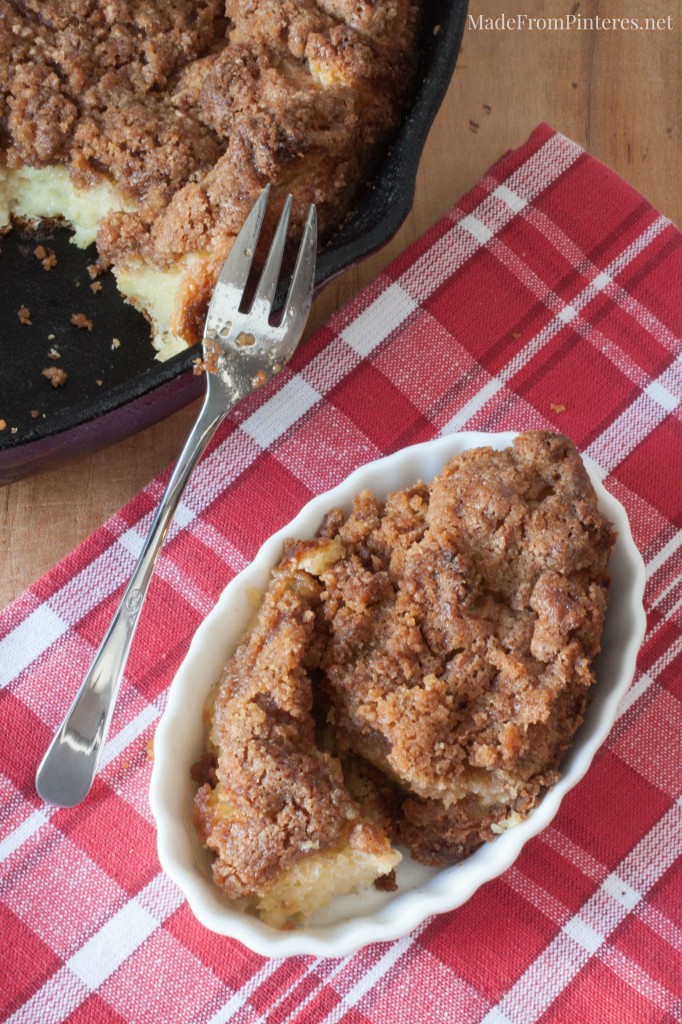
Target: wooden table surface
[{"x": 616, "y": 91}]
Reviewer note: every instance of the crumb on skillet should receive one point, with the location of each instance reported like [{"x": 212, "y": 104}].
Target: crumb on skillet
[
  {"x": 47, "y": 257},
  {"x": 82, "y": 321},
  {"x": 56, "y": 376}
]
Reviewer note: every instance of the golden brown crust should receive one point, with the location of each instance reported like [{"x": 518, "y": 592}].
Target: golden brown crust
[
  {"x": 191, "y": 107},
  {"x": 275, "y": 795},
  {"x": 463, "y": 625},
  {"x": 447, "y": 635}
]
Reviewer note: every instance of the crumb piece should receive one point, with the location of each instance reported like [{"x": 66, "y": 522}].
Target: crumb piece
[
  {"x": 198, "y": 367},
  {"x": 51, "y": 337},
  {"x": 115, "y": 343},
  {"x": 14, "y": 430},
  {"x": 35, "y": 413},
  {"x": 81, "y": 320},
  {"x": 93, "y": 270},
  {"x": 96, "y": 286},
  {"x": 54, "y": 352},
  {"x": 99, "y": 383},
  {"x": 516, "y": 335},
  {"x": 3, "y": 425},
  {"x": 557, "y": 408},
  {"x": 212, "y": 352},
  {"x": 56, "y": 376},
  {"x": 436, "y": 30},
  {"x": 150, "y": 748},
  {"x": 46, "y": 256},
  {"x": 203, "y": 771},
  {"x": 386, "y": 883},
  {"x": 24, "y": 315}
]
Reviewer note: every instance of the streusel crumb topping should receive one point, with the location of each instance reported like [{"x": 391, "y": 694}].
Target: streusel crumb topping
[
  {"x": 419, "y": 669},
  {"x": 190, "y": 107}
]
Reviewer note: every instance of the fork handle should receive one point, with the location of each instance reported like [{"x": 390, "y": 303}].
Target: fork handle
[{"x": 68, "y": 768}]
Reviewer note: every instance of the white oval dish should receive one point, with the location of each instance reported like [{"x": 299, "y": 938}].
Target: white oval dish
[{"x": 371, "y": 916}]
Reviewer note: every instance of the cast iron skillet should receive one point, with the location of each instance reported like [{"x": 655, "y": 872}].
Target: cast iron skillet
[{"x": 116, "y": 388}]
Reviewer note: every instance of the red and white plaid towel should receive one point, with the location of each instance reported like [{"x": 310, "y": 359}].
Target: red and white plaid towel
[{"x": 548, "y": 297}]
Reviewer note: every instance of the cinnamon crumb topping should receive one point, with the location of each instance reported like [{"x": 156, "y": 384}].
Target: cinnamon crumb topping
[
  {"x": 46, "y": 256},
  {"x": 190, "y": 108},
  {"x": 56, "y": 376},
  {"x": 82, "y": 321},
  {"x": 421, "y": 665}
]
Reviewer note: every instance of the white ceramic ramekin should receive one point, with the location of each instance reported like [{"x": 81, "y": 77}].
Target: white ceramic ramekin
[{"x": 371, "y": 916}]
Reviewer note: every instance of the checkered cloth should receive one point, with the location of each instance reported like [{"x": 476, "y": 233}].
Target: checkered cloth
[{"x": 548, "y": 297}]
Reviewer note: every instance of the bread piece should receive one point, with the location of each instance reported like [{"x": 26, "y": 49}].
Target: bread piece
[
  {"x": 463, "y": 625},
  {"x": 274, "y": 808},
  {"x": 415, "y": 675}
]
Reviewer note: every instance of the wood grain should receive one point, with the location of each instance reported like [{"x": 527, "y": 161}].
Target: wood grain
[{"x": 617, "y": 92}]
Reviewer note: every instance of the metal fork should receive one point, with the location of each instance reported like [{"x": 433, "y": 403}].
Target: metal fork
[{"x": 241, "y": 352}]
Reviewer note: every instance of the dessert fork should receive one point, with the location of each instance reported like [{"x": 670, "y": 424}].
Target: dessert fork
[{"x": 242, "y": 351}]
